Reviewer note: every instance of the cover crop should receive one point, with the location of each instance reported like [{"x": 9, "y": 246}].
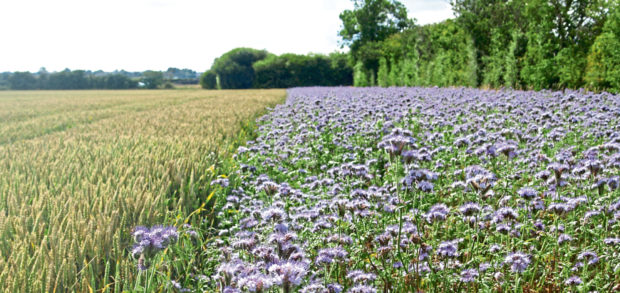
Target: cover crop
[{"x": 406, "y": 189}]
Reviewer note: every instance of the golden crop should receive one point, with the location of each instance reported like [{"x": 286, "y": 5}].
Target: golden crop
[{"x": 78, "y": 169}]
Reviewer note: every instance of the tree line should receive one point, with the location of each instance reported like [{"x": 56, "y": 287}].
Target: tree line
[
  {"x": 244, "y": 68},
  {"x": 81, "y": 79},
  {"x": 525, "y": 44}
]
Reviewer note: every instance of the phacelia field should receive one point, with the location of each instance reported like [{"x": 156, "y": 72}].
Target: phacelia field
[{"x": 426, "y": 189}]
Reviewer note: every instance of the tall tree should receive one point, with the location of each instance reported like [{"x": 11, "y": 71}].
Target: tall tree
[{"x": 370, "y": 22}]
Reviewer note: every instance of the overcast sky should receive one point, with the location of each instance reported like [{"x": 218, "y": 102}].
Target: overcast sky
[{"x": 137, "y": 35}]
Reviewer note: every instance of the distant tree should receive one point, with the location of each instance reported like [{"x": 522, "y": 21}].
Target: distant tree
[
  {"x": 68, "y": 80},
  {"x": 152, "y": 79},
  {"x": 4, "y": 81},
  {"x": 341, "y": 72},
  {"x": 43, "y": 78},
  {"x": 208, "y": 80},
  {"x": 291, "y": 70},
  {"x": 22, "y": 81},
  {"x": 234, "y": 69},
  {"x": 118, "y": 81}
]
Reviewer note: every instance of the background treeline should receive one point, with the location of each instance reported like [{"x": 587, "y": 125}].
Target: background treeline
[
  {"x": 81, "y": 79},
  {"x": 243, "y": 68},
  {"x": 526, "y": 44}
]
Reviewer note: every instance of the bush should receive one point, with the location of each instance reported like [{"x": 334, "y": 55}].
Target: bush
[{"x": 208, "y": 80}]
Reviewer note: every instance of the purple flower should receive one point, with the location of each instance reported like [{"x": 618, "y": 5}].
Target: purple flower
[
  {"x": 505, "y": 213},
  {"x": 255, "y": 282},
  {"x": 274, "y": 214},
  {"x": 437, "y": 212},
  {"x": 288, "y": 274},
  {"x": 612, "y": 241},
  {"x": 329, "y": 255},
  {"x": 358, "y": 276},
  {"x": 589, "y": 256},
  {"x": 495, "y": 248},
  {"x": 564, "y": 238},
  {"x": 518, "y": 261},
  {"x": 425, "y": 186},
  {"x": 362, "y": 289},
  {"x": 560, "y": 208},
  {"x": 150, "y": 241},
  {"x": 469, "y": 275},
  {"x": 502, "y": 228},
  {"x": 573, "y": 281},
  {"x": 527, "y": 192},
  {"x": 448, "y": 248},
  {"x": 470, "y": 209}
]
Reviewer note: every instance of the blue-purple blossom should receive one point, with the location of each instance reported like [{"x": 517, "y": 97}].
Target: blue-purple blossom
[
  {"x": 469, "y": 275},
  {"x": 288, "y": 274},
  {"x": 527, "y": 192},
  {"x": 573, "y": 281},
  {"x": 518, "y": 261},
  {"x": 589, "y": 256},
  {"x": 448, "y": 248},
  {"x": 149, "y": 241}
]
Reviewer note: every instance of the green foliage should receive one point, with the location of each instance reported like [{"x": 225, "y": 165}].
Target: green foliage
[
  {"x": 371, "y": 21},
  {"x": 538, "y": 70},
  {"x": 4, "y": 81},
  {"x": 603, "y": 60},
  {"x": 115, "y": 81},
  {"x": 152, "y": 79},
  {"x": 341, "y": 71},
  {"x": 289, "y": 70},
  {"x": 208, "y": 80},
  {"x": 511, "y": 71},
  {"x": 368, "y": 24},
  {"x": 68, "y": 80},
  {"x": 533, "y": 43},
  {"x": 22, "y": 81},
  {"x": 382, "y": 74},
  {"x": 570, "y": 66},
  {"x": 234, "y": 69},
  {"x": 494, "y": 63},
  {"x": 284, "y": 71},
  {"x": 394, "y": 76},
  {"x": 359, "y": 76}
]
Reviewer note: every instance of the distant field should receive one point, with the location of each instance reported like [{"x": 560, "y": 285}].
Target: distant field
[{"x": 78, "y": 169}]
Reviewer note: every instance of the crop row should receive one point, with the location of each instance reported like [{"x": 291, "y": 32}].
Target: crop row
[{"x": 79, "y": 169}]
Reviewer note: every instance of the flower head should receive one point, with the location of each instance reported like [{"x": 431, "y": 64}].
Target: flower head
[{"x": 518, "y": 261}]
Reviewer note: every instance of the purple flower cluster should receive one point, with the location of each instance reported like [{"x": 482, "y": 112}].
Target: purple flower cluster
[
  {"x": 149, "y": 241},
  {"x": 366, "y": 190}
]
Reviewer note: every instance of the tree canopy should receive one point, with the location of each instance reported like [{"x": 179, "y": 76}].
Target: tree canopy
[
  {"x": 234, "y": 68},
  {"x": 249, "y": 68},
  {"x": 371, "y": 22}
]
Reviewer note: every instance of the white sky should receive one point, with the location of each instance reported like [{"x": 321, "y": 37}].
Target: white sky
[{"x": 137, "y": 35}]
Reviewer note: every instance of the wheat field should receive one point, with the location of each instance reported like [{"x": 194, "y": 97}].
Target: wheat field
[{"x": 78, "y": 169}]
